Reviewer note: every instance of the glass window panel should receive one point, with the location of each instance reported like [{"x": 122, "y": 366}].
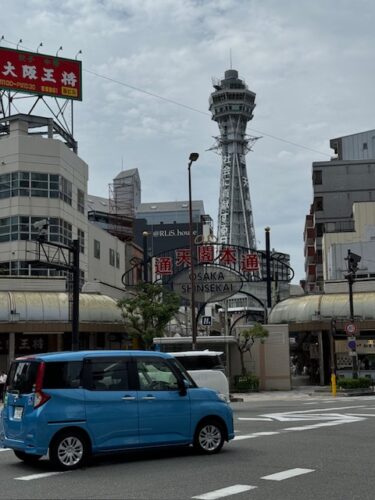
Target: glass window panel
[
  {"x": 35, "y": 176},
  {"x": 39, "y": 193},
  {"x": 156, "y": 375},
  {"x": 111, "y": 375},
  {"x": 39, "y": 185}
]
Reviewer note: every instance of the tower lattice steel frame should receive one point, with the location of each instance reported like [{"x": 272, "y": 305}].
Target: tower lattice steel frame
[{"x": 232, "y": 105}]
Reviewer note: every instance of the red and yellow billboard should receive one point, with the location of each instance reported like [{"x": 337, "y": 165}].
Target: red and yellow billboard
[{"x": 35, "y": 73}]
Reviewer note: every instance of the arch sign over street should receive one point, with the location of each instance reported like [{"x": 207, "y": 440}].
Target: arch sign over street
[{"x": 219, "y": 270}]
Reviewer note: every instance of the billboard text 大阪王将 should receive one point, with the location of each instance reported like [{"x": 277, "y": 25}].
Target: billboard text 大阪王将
[{"x": 35, "y": 73}]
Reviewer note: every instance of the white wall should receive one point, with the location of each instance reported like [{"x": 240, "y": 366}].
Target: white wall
[{"x": 335, "y": 246}]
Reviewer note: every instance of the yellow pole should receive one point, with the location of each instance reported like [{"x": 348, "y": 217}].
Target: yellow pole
[{"x": 333, "y": 384}]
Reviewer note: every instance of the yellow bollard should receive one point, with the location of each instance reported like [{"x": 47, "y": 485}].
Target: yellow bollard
[{"x": 333, "y": 384}]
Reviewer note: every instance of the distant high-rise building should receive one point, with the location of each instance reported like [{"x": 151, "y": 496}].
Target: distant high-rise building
[
  {"x": 232, "y": 105},
  {"x": 337, "y": 183}
]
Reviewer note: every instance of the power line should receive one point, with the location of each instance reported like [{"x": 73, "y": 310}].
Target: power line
[
  {"x": 185, "y": 106},
  {"x": 190, "y": 108}
]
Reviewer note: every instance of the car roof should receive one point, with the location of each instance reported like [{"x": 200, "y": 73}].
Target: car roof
[
  {"x": 196, "y": 353},
  {"x": 80, "y": 355}
]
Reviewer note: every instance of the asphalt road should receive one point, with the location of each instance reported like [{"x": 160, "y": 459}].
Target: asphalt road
[{"x": 310, "y": 448}]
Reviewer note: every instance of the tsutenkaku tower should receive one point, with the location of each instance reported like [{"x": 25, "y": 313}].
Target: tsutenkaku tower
[{"x": 232, "y": 105}]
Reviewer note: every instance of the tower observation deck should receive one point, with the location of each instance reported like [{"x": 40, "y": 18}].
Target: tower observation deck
[{"x": 232, "y": 105}]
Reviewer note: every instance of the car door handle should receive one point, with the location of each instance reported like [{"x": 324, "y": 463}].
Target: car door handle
[
  {"x": 128, "y": 398},
  {"x": 149, "y": 397}
]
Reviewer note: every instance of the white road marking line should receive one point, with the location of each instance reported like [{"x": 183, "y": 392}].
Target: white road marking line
[
  {"x": 39, "y": 476},
  {"x": 256, "y": 419},
  {"x": 225, "y": 492},
  {"x": 361, "y": 415},
  {"x": 254, "y": 435},
  {"x": 246, "y": 436},
  {"x": 324, "y": 424},
  {"x": 5, "y": 449},
  {"x": 286, "y": 474}
]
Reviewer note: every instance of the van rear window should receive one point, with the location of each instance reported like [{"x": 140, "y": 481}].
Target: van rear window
[
  {"x": 22, "y": 376},
  {"x": 201, "y": 362}
]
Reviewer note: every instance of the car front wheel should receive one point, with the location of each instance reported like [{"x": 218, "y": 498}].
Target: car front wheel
[
  {"x": 209, "y": 437},
  {"x": 69, "y": 450}
]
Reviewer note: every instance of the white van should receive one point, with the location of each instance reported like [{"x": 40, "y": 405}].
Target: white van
[{"x": 206, "y": 369}]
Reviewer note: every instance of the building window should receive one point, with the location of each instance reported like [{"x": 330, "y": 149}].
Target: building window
[
  {"x": 317, "y": 177},
  {"x": 318, "y": 203},
  {"x": 97, "y": 249},
  {"x": 80, "y": 201},
  {"x": 21, "y": 227},
  {"x": 35, "y": 184},
  {"x": 365, "y": 146},
  {"x": 117, "y": 260},
  {"x": 66, "y": 190},
  {"x": 81, "y": 240},
  {"x": 319, "y": 257},
  {"x": 319, "y": 226},
  {"x": 111, "y": 257}
]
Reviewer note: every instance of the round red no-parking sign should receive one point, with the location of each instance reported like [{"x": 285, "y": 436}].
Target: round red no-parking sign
[{"x": 350, "y": 329}]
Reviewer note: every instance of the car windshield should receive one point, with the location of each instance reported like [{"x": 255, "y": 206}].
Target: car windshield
[{"x": 22, "y": 376}]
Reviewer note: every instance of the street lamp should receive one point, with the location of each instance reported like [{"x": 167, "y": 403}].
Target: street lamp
[{"x": 193, "y": 157}]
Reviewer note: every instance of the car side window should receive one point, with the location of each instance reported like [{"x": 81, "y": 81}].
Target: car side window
[
  {"x": 156, "y": 375},
  {"x": 62, "y": 375},
  {"x": 108, "y": 375}
]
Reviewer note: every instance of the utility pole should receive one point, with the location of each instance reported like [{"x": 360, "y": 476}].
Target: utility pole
[
  {"x": 64, "y": 258},
  {"x": 353, "y": 261},
  {"x": 268, "y": 268}
]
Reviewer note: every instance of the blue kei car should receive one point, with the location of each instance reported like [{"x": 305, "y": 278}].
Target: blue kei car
[{"x": 71, "y": 405}]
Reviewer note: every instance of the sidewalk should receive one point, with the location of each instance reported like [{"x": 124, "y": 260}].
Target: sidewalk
[{"x": 301, "y": 392}]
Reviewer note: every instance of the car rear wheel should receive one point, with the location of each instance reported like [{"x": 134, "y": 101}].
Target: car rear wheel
[
  {"x": 209, "y": 437},
  {"x": 26, "y": 457},
  {"x": 69, "y": 450}
]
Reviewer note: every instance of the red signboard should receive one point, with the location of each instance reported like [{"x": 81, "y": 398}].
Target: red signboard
[{"x": 40, "y": 74}]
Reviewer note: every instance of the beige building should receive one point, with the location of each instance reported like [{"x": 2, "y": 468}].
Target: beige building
[{"x": 43, "y": 192}]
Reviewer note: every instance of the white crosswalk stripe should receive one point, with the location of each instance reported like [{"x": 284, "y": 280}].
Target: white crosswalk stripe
[
  {"x": 225, "y": 492},
  {"x": 286, "y": 474}
]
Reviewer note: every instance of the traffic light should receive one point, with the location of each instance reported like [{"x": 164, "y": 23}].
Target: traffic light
[{"x": 353, "y": 261}]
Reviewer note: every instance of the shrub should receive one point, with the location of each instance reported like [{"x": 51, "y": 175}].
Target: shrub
[
  {"x": 247, "y": 383},
  {"x": 354, "y": 383}
]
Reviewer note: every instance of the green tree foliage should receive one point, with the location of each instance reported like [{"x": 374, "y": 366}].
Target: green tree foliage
[
  {"x": 245, "y": 340},
  {"x": 147, "y": 314}
]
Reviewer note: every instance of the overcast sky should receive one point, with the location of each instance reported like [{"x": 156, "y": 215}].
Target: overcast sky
[{"x": 310, "y": 63}]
